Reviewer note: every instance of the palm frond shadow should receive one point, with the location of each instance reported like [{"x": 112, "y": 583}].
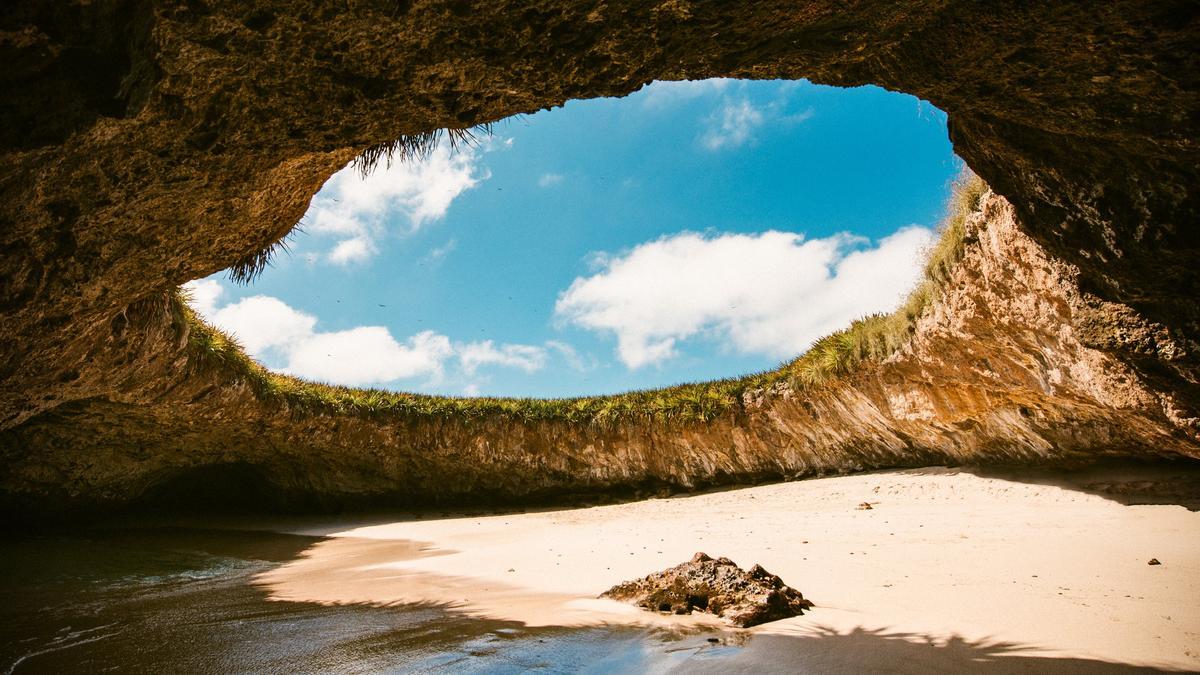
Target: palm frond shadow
[{"x": 866, "y": 650}]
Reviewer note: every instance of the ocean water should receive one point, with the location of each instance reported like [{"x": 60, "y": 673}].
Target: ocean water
[{"x": 184, "y": 601}]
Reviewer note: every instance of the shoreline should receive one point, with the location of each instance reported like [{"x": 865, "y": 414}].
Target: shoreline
[{"x": 1022, "y": 563}]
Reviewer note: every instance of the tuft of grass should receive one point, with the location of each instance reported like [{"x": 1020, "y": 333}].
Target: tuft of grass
[
  {"x": 869, "y": 339},
  {"x": 406, "y": 148},
  {"x": 419, "y": 146},
  {"x": 965, "y": 195},
  {"x": 246, "y": 270},
  {"x": 878, "y": 336}
]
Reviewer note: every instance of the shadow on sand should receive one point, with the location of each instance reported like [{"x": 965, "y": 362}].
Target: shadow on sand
[
  {"x": 878, "y": 651},
  {"x": 1126, "y": 482}
]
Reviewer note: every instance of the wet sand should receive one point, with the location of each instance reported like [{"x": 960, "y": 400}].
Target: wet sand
[
  {"x": 1002, "y": 572},
  {"x": 181, "y": 600}
]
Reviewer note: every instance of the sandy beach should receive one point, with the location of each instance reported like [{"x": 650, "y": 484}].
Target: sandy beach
[{"x": 946, "y": 567}]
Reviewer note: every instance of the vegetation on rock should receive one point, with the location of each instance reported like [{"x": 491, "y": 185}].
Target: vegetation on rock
[{"x": 869, "y": 339}]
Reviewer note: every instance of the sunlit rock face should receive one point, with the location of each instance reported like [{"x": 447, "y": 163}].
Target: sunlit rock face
[{"x": 145, "y": 144}]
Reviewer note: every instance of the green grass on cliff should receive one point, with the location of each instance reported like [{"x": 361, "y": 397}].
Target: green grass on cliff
[{"x": 869, "y": 339}]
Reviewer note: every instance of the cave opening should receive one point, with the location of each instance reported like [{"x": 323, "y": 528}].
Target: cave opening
[
  {"x": 1084, "y": 125},
  {"x": 690, "y": 231},
  {"x": 225, "y": 488}
]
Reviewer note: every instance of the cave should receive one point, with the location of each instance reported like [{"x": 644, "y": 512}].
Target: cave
[
  {"x": 215, "y": 488},
  {"x": 148, "y": 144}
]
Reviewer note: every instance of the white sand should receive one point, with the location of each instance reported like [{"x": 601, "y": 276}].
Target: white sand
[{"x": 943, "y": 557}]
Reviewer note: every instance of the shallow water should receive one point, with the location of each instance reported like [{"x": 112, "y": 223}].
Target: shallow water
[{"x": 183, "y": 600}]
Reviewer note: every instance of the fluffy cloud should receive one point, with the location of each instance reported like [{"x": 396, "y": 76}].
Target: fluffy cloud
[
  {"x": 771, "y": 293},
  {"x": 357, "y": 211},
  {"x": 203, "y": 295},
  {"x": 275, "y": 333},
  {"x": 352, "y": 250},
  {"x": 368, "y": 355},
  {"x": 263, "y": 323},
  {"x": 733, "y": 126}
]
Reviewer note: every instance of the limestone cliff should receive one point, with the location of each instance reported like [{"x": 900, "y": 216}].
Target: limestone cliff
[{"x": 994, "y": 373}]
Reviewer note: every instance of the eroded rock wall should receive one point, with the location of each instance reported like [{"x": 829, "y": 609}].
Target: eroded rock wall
[{"x": 993, "y": 374}]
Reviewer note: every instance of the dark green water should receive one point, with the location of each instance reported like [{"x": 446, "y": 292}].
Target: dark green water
[{"x": 184, "y": 601}]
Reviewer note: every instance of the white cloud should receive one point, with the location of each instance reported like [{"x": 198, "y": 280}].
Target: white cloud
[
  {"x": 771, "y": 293},
  {"x": 261, "y": 323},
  {"x": 352, "y": 250},
  {"x": 471, "y": 389},
  {"x": 550, "y": 179},
  {"x": 358, "y": 211},
  {"x": 368, "y": 355},
  {"x": 274, "y": 332},
  {"x": 733, "y": 125},
  {"x": 203, "y": 295},
  {"x": 529, "y": 358}
]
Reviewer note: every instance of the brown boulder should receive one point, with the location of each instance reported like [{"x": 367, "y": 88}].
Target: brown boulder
[{"x": 717, "y": 586}]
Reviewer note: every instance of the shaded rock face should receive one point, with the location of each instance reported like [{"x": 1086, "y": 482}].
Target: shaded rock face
[
  {"x": 720, "y": 587},
  {"x": 146, "y": 143}
]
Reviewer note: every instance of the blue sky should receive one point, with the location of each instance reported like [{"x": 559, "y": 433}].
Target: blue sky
[{"x": 688, "y": 231}]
